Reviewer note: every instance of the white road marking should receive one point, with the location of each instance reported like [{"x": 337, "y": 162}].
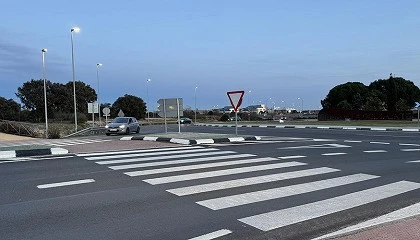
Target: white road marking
[
  {"x": 378, "y": 129},
  {"x": 409, "y": 144},
  {"x": 276, "y": 219},
  {"x": 403, "y": 213},
  {"x": 61, "y": 184},
  {"x": 411, "y": 150},
  {"x": 333, "y": 154},
  {"x": 383, "y": 143},
  {"x": 143, "y": 154},
  {"x": 281, "y": 192},
  {"x": 186, "y": 177},
  {"x": 375, "y": 151},
  {"x": 212, "y": 235},
  {"x": 333, "y": 145},
  {"x": 197, "y": 166},
  {"x": 415, "y": 161},
  {"x": 352, "y": 141},
  {"x": 250, "y": 181},
  {"x": 192, "y": 160},
  {"x": 135, "y": 151},
  {"x": 164, "y": 157},
  {"x": 291, "y": 157}
]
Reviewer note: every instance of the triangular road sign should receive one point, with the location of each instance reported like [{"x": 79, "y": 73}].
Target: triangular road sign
[{"x": 235, "y": 98}]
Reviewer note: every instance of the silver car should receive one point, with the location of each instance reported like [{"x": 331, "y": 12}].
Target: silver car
[{"x": 122, "y": 125}]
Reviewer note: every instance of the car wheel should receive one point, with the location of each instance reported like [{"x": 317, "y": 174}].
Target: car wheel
[
  {"x": 107, "y": 134},
  {"x": 127, "y": 131},
  {"x": 138, "y": 130}
]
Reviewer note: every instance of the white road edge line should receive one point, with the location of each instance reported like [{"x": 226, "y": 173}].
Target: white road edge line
[
  {"x": 62, "y": 184},
  {"x": 403, "y": 213},
  {"x": 213, "y": 235},
  {"x": 415, "y": 161}
]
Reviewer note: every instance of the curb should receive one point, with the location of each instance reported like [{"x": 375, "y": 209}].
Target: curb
[
  {"x": 32, "y": 152},
  {"x": 191, "y": 141},
  {"x": 319, "y": 127}
]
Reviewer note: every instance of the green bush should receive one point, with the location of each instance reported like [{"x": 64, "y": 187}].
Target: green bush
[
  {"x": 81, "y": 118},
  {"x": 224, "y": 118},
  {"x": 54, "y": 132}
]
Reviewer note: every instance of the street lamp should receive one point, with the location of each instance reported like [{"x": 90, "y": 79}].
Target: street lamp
[
  {"x": 266, "y": 103},
  {"x": 97, "y": 95},
  {"x": 147, "y": 92},
  {"x": 76, "y": 30},
  {"x": 195, "y": 105},
  {"x": 301, "y": 105},
  {"x": 44, "y": 50}
]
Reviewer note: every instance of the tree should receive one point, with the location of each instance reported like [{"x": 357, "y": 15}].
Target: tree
[
  {"x": 349, "y": 95},
  {"x": 84, "y": 95},
  {"x": 9, "y": 109},
  {"x": 131, "y": 106},
  {"x": 31, "y": 94}
]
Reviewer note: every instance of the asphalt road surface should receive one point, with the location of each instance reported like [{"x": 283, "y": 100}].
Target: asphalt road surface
[{"x": 294, "y": 184}]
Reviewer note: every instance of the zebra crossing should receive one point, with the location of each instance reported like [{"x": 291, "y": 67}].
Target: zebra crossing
[
  {"x": 53, "y": 142},
  {"x": 187, "y": 165}
]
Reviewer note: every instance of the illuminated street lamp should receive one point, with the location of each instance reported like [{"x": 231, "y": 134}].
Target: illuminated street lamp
[
  {"x": 97, "y": 94},
  {"x": 44, "y": 50},
  {"x": 195, "y": 105},
  {"x": 76, "y": 30},
  {"x": 147, "y": 92}
]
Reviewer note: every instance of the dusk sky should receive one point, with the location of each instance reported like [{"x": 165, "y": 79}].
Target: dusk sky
[{"x": 278, "y": 49}]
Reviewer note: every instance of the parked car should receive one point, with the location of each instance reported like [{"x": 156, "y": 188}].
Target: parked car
[
  {"x": 122, "y": 125},
  {"x": 185, "y": 120}
]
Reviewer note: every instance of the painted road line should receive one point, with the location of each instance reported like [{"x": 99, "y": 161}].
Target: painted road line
[
  {"x": 291, "y": 157},
  {"x": 409, "y": 144},
  {"x": 61, "y": 184},
  {"x": 136, "y": 151},
  {"x": 415, "y": 161},
  {"x": 378, "y": 129},
  {"x": 250, "y": 181},
  {"x": 129, "y": 160},
  {"x": 333, "y": 154},
  {"x": 276, "y": 219},
  {"x": 198, "y": 166},
  {"x": 143, "y": 154},
  {"x": 333, "y": 145},
  {"x": 192, "y": 160},
  {"x": 383, "y": 143},
  {"x": 193, "y": 176},
  {"x": 403, "y": 213},
  {"x": 281, "y": 192},
  {"x": 411, "y": 150},
  {"x": 213, "y": 235},
  {"x": 352, "y": 141},
  {"x": 375, "y": 151}
]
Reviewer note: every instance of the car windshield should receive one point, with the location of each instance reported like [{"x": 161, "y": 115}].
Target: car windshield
[{"x": 120, "y": 120}]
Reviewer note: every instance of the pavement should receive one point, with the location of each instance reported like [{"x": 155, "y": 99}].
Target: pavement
[{"x": 384, "y": 230}]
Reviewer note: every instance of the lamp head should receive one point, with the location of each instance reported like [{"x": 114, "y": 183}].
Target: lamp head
[
  {"x": 99, "y": 64},
  {"x": 75, "y": 29},
  {"x": 44, "y": 50},
  {"x": 148, "y": 80}
]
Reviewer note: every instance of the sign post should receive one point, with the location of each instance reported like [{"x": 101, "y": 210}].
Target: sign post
[
  {"x": 235, "y": 98},
  {"x": 106, "y": 112},
  {"x": 418, "y": 114}
]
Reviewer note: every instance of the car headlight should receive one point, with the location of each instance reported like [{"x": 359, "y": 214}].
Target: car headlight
[
  {"x": 106, "y": 126},
  {"x": 122, "y": 126}
]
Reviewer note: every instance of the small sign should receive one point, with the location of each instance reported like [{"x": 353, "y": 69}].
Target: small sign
[
  {"x": 235, "y": 98},
  {"x": 106, "y": 111},
  {"x": 417, "y": 104},
  {"x": 169, "y": 107},
  {"x": 120, "y": 113},
  {"x": 93, "y": 107}
]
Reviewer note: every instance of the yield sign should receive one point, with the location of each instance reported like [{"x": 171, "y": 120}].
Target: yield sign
[{"x": 235, "y": 98}]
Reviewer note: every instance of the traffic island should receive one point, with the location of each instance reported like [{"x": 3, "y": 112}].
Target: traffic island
[
  {"x": 30, "y": 151},
  {"x": 190, "y": 138}
]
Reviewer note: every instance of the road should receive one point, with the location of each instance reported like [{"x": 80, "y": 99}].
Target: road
[{"x": 294, "y": 184}]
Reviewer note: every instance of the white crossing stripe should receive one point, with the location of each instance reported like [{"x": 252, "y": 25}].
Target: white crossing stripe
[
  {"x": 415, "y": 161},
  {"x": 250, "y": 181},
  {"x": 186, "y": 177},
  {"x": 292, "y": 157},
  {"x": 403, "y": 213},
  {"x": 375, "y": 151},
  {"x": 281, "y": 192},
  {"x": 198, "y": 166},
  {"x": 352, "y": 141},
  {"x": 143, "y": 154},
  {"x": 409, "y": 144},
  {"x": 61, "y": 184},
  {"x": 276, "y": 219},
  {"x": 333, "y": 154},
  {"x": 135, "y": 151},
  {"x": 383, "y": 143},
  {"x": 164, "y": 157},
  {"x": 193, "y": 160},
  {"x": 213, "y": 235},
  {"x": 411, "y": 150}
]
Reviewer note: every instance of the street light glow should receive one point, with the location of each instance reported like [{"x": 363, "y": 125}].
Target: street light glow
[
  {"x": 99, "y": 64},
  {"x": 75, "y": 29}
]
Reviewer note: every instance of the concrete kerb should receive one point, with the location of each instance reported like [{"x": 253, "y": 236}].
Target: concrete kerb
[
  {"x": 192, "y": 140},
  {"x": 320, "y": 127},
  {"x": 32, "y": 152}
]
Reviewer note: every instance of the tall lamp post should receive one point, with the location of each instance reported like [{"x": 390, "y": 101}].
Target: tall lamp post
[
  {"x": 301, "y": 105},
  {"x": 43, "y": 51},
  {"x": 76, "y": 30},
  {"x": 195, "y": 105},
  {"x": 147, "y": 92},
  {"x": 97, "y": 94}
]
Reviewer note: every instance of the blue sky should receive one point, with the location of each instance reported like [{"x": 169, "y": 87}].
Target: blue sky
[{"x": 278, "y": 49}]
